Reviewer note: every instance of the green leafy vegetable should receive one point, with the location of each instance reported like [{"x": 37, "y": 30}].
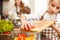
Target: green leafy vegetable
[{"x": 5, "y": 25}]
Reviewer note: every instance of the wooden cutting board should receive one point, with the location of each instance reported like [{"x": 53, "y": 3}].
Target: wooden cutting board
[{"x": 42, "y": 25}]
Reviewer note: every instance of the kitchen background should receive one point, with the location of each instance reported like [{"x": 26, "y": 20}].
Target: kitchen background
[{"x": 37, "y": 6}]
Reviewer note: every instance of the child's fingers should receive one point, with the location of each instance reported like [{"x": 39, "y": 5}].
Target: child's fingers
[
  {"x": 29, "y": 26},
  {"x": 25, "y": 26},
  {"x": 32, "y": 26}
]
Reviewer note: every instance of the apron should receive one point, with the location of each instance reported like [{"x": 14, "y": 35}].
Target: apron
[{"x": 49, "y": 32}]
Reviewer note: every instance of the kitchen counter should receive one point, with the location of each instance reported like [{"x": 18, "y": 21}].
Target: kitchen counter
[{"x": 5, "y": 37}]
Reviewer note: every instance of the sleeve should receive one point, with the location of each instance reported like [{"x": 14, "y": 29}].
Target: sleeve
[
  {"x": 33, "y": 16},
  {"x": 46, "y": 16},
  {"x": 58, "y": 19},
  {"x": 12, "y": 14}
]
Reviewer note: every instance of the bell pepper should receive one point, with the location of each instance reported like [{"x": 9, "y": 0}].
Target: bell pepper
[{"x": 21, "y": 37}]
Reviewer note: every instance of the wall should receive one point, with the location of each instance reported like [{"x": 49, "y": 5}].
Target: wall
[
  {"x": 7, "y": 5},
  {"x": 41, "y": 6}
]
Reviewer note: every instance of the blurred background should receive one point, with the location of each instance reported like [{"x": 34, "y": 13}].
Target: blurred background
[{"x": 36, "y": 6}]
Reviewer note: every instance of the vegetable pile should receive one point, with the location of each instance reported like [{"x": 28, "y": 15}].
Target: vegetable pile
[{"x": 5, "y": 25}]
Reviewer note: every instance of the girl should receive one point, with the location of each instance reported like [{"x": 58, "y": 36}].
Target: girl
[{"x": 51, "y": 14}]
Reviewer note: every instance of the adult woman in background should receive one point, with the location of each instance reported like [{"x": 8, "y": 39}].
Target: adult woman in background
[{"x": 14, "y": 12}]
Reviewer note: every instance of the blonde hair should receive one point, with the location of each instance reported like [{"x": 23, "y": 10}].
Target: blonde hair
[{"x": 56, "y": 0}]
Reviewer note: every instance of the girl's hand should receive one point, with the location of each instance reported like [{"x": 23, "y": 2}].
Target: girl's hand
[{"x": 27, "y": 26}]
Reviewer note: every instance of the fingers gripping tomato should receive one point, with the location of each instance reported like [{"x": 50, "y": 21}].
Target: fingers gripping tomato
[{"x": 28, "y": 27}]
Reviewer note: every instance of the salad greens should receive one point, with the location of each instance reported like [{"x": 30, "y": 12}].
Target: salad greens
[{"x": 5, "y": 25}]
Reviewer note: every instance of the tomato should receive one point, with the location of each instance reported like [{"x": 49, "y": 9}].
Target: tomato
[
  {"x": 32, "y": 27},
  {"x": 6, "y": 32},
  {"x": 25, "y": 29},
  {"x": 28, "y": 28}
]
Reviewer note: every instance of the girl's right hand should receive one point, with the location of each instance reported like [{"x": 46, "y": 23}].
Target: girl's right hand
[{"x": 27, "y": 26}]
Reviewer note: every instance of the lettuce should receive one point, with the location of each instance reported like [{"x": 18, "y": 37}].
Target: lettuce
[{"x": 5, "y": 25}]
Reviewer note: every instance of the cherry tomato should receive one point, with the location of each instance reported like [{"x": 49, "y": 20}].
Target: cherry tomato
[{"x": 6, "y": 32}]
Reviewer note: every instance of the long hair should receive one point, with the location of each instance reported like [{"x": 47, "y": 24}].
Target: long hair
[
  {"x": 25, "y": 10},
  {"x": 21, "y": 7},
  {"x": 21, "y": 4}
]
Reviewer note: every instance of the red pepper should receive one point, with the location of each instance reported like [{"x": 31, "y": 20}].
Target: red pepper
[{"x": 21, "y": 37}]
